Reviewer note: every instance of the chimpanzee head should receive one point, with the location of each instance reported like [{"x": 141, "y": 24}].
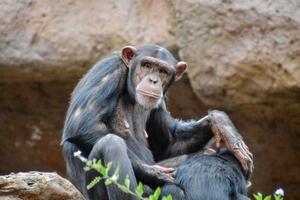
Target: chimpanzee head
[{"x": 152, "y": 69}]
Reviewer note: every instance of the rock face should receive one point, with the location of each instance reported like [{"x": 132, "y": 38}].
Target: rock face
[
  {"x": 244, "y": 58},
  {"x": 241, "y": 52},
  {"x": 38, "y": 186},
  {"x": 46, "y": 40}
]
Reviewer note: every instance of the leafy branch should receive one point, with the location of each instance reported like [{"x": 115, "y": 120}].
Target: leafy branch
[
  {"x": 108, "y": 180},
  {"x": 278, "y": 195}
]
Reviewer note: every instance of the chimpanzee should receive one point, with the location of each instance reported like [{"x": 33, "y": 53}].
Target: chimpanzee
[
  {"x": 118, "y": 113},
  {"x": 208, "y": 177}
]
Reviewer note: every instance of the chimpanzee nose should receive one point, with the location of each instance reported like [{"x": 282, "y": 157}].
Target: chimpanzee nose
[{"x": 153, "y": 79}]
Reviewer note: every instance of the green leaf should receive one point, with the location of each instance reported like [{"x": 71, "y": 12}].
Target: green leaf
[
  {"x": 108, "y": 182},
  {"x": 169, "y": 197},
  {"x": 123, "y": 188},
  {"x": 86, "y": 168},
  {"x": 267, "y": 197},
  {"x": 89, "y": 163},
  {"x": 102, "y": 170},
  {"x": 156, "y": 193},
  {"x": 97, "y": 166},
  {"x": 151, "y": 197},
  {"x": 139, "y": 190},
  {"x": 278, "y": 197},
  {"x": 127, "y": 182},
  {"x": 258, "y": 196},
  {"x": 93, "y": 182}
]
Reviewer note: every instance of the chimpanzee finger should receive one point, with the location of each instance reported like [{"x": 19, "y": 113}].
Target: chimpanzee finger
[
  {"x": 217, "y": 137},
  {"x": 173, "y": 174},
  {"x": 167, "y": 178},
  {"x": 242, "y": 160},
  {"x": 164, "y": 169},
  {"x": 237, "y": 150},
  {"x": 250, "y": 171},
  {"x": 241, "y": 147},
  {"x": 249, "y": 160},
  {"x": 168, "y": 170},
  {"x": 171, "y": 178},
  {"x": 248, "y": 151}
]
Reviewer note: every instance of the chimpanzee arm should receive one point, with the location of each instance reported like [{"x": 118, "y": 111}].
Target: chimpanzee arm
[
  {"x": 170, "y": 137},
  {"x": 150, "y": 175}
]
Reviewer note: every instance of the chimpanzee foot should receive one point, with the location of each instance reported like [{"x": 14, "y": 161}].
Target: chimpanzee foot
[{"x": 223, "y": 129}]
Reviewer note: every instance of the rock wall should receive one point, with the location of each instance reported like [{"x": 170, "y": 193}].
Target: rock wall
[{"x": 244, "y": 58}]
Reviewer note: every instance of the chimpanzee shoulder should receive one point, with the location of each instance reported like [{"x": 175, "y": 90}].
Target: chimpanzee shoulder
[{"x": 96, "y": 96}]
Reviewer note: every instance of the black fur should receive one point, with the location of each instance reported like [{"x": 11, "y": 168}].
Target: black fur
[{"x": 209, "y": 177}]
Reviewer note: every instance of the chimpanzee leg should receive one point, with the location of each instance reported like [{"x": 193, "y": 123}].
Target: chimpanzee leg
[
  {"x": 175, "y": 191},
  {"x": 111, "y": 148}
]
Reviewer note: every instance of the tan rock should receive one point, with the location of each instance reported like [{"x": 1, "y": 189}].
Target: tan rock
[
  {"x": 46, "y": 40},
  {"x": 241, "y": 52},
  {"x": 38, "y": 186}
]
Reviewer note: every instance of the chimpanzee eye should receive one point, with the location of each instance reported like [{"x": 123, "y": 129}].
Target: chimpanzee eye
[
  {"x": 147, "y": 65},
  {"x": 163, "y": 71}
]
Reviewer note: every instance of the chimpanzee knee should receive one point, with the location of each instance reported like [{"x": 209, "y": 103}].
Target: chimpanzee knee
[
  {"x": 175, "y": 191},
  {"x": 108, "y": 145},
  {"x": 111, "y": 148}
]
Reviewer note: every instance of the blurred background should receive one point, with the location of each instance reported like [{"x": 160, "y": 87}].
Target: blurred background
[{"x": 243, "y": 56}]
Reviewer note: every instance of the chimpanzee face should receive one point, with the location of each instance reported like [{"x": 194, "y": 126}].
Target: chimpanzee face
[{"x": 151, "y": 74}]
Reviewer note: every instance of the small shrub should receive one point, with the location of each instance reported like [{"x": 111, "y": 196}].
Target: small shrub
[{"x": 125, "y": 187}]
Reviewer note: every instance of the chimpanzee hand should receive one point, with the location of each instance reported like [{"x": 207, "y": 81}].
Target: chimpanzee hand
[
  {"x": 224, "y": 130},
  {"x": 167, "y": 171},
  {"x": 163, "y": 173},
  {"x": 158, "y": 174}
]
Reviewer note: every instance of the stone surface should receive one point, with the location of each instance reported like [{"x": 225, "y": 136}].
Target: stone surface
[
  {"x": 243, "y": 58},
  {"x": 48, "y": 40},
  {"x": 37, "y": 186},
  {"x": 31, "y": 120},
  {"x": 242, "y": 52}
]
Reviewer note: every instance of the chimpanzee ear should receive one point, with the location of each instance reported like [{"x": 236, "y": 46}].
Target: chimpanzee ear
[
  {"x": 127, "y": 54},
  {"x": 180, "y": 69}
]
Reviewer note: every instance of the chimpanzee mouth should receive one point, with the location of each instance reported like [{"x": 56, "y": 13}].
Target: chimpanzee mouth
[{"x": 149, "y": 94}]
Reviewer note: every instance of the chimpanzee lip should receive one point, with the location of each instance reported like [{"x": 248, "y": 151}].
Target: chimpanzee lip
[{"x": 149, "y": 94}]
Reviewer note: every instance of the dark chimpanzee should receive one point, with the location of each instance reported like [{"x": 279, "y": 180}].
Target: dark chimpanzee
[
  {"x": 208, "y": 177},
  {"x": 118, "y": 113}
]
